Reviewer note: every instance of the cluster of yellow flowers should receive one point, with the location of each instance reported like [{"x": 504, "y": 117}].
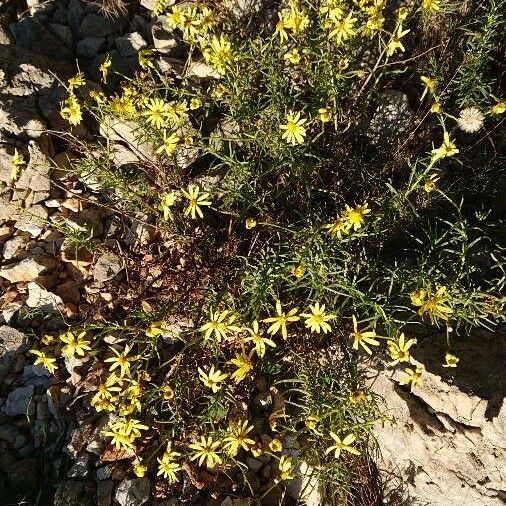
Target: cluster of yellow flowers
[
  {"x": 70, "y": 107},
  {"x": 352, "y": 218},
  {"x": 195, "y": 201},
  {"x": 17, "y": 162}
]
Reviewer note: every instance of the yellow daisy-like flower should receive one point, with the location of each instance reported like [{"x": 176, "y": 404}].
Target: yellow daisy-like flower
[
  {"x": 285, "y": 467},
  {"x": 244, "y": 365},
  {"x": 44, "y": 360},
  {"x": 317, "y": 320},
  {"x": 338, "y": 227},
  {"x": 139, "y": 470},
  {"x": 281, "y": 28},
  {"x": 340, "y": 445},
  {"x": 399, "y": 351},
  {"x": 76, "y": 81},
  {"x": 220, "y": 324},
  {"x": 395, "y": 42},
  {"x": 435, "y": 304},
  {"x": 280, "y": 321},
  {"x": 430, "y": 183},
  {"x": 212, "y": 379},
  {"x": 250, "y": 223},
  {"x": 122, "y": 360},
  {"x": 206, "y": 451},
  {"x": 435, "y": 107},
  {"x": 258, "y": 339},
  {"x": 17, "y": 161},
  {"x": 343, "y": 28},
  {"x": 356, "y": 216},
  {"x": 298, "y": 270},
  {"x": 293, "y": 56},
  {"x": 363, "y": 338},
  {"x": 195, "y": 103},
  {"x": 176, "y": 17},
  {"x": 412, "y": 377},
  {"x": 499, "y": 108},
  {"x": 324, "y": 114},
  {"x": 104, "y": 68},
  {"x": 448, "y": 148},
  {"x": 219, "y": 54},
  {"x": 238, "y": 437},
  {"x": 157, "y": 112},
  {"x": 74, "y": 345},
  {"x": 71, "y": 110},
  {"x": 196, "y": 200},
  {"x": 451, "y": 360},
  {"x": 276, "y": 446},
  {"x": 430, "y": 85},
  {"x": 167, "y": 201},
  {"x": 169, "y": 144},
  {"x": 430, "y": 5},
  {"x": 294, "y": 131}
]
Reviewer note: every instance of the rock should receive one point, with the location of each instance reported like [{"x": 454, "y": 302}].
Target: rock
[
  {"x": 149, "y": 4},
  {"x": 95, "y": 25},
  {"x": 304, "y": 486},
  {"x": 108, "y": 265},
  {"x": 254, "y": 464},
  {"x": 15, "y": 247},
  {"x": 24, "y": 475},
  {"x": 391, "y": 119},
  {"x": 165, "y": 40},
  {"x": 133, "y": 492},
  {"x": 73, "y": 493},
  {"x": 33, "y": 35},
  {"x": 68, "y": 292},
  {"x": 448, "y": 436},
  {"x": 18, "y": 401},
  {"x": 80, "y": 467},
  {"x": 202, "y": 70},
  {"x": 27, "y": 270},
  {"x": 41, "y": 299},
  {"x": 62, "y": 32},
  {"x": 75, "y": 13},
  {"x": 129, "y": 45},
  {"x": 32, "y": 220},
  {"x": 89, "y": 47},
  {"x": 9, "y": 434},
  {"x": 104, "y": 492}
]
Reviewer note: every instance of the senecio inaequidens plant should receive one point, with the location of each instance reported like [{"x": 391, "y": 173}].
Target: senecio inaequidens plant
[{"x": 373, "y": 242}]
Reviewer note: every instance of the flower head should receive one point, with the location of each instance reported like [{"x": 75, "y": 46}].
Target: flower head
[
  {"x": 71, "y": 110},
  {"x": 169, "y": 144},
  {"x": 342, "y": 444},
  {"x": 430, "y": 85},
  {"x": 451, "y": 360},
  {"x": 280, "y": 321},
  {"x": 412, "y": 376},
  {"x": 448, "y": 148},
  {"x": 294, "y": 131},
  {"x": 206, "y": 451},
  {"x": 355, "y": 216},
  {"x": 238, "y": 437},
  {"x": 363, "y": 338},
  {"x": 470, "y": 119},
  {"x": 104, "y": 68},
  {"x": 122, "y": 360},
  {"x": 317, "y": 319},
  {"x": 44, "y": 360},
  {"x": 212, "y": 379},
  {"x": 258, "y": 339},
  {"x": 17, "y": 161},
  {"x": 285, "y": 467},
  {"x": 74, "y": 345},
  {"x": 195, "y": 201},
  {"x": 399, "y": 350},
  {"x": 395, "y": 42},
  {"x": 244, "y": 365},
  {"x": 157, "y": 112},
  {"x": 499, "y": 108},
  {"x": 167, "y": 201},
  {"x": 219, "y": 324}
]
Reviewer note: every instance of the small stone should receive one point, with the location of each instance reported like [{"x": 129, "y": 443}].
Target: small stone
[
  {"x": 254, "y": 464},
  {"x": 40, "y": 298},
  {"x": 129, "y": 45},
  {"x": 165, "y": 40},
  {"x": 80, "y": 467},
  {"x": 15, "y": 247},
  {"x": 89, "y": 47},
  {"x": 32, "y": 220},
  {"x": 73, "y": 493},
  {"x": 95, "y": 25},
  {"x": 68, "y": 292},
  {"x": 133, "y": 492},
  {"x": 107, "y": 267},
  {"x": 202, "y": 70},
  {"x": 62, "y": 32},
  {"x": 104, "y": 492},
  {"x": 104, "y": 472},
  {"x": 27, "y": 270},
  {"x": 19, "y": 401}
]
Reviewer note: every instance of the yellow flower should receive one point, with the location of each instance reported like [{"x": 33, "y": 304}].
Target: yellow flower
[
  {"x": 399, "y": 351},
  {"x": 71, "y": 110},
  {"x": 281, "y": 28},
  {"x": 212, "y": 379},
  {"x": 292, "y": 56},
  {"x": 238, "y": 437},
  {"x": 169, "y": 143},
  {"x": 285, "y": 468},
  {"x": 219, "y": 54},
  {"x": 206, "y": 451},
  {"x": 435, "y": 107},
  {"x": 195, "y": 103},
  {"x": 250, "y": 223},
  {"x": 499, "y": 108},
  {"x": 357, "y": 396},
  {"x": 47, "y": 339},
  {"x": 317, "y": 320},
  {"x": 220, "y": 324},
  {"x": 296, "y": 21},
  {"x": 258, "y": 340},
  {"x": 104, "y": 68},
  {"x": 191, "y": 24},
  {"x": 280, "y": 321},
  {"x": 195, "y": 201},
  {"x": 121, "y": 360},
  {"x": 166, "y": 465},
  {"x": 145, "y": 57},
  {"x": 402, "y": 13},
  {"x": 106, "y": 391},
  {"x": 207, "y": 19},
  {"x": 294, "y": 131},
  {"x": 395, "y": 42},
  {"x": 276, "y": 446},
  {"x": 436, "y": 305},
  {"x": 124, "y": 432},
  {"x": 98, "y": 96},
  {"x": 299, "y": 270},
  {"x": 343, "y": 28},
  {"x": 412, "y": 377},
  {"x": 256, "y": 450},
  {"x": 218, "y": 91},
  {"x": 74, "y": 345},
  {"x": 451, "y": 360},
  {"x": 363, "y": 338},
  {"x": 325, "y": 114},
  {"x": 418, "y": 297},
  {"x": 157, "y": 112},
  {"x": 430, "y": 85},
  {"x": 430, "y": 5},
  {"x": 448, "y": 148},
  {"x": 167, "y": 201},
  {"x": 122, "y": 106},
  {"x": 430, "y": 183},
  {"x": 140, "y": 470},
  {"x": 338, "y": 227},
  {"x": 17, "y": 161},
  {"x": 44, "y": 360},
  {"x": 176, "y": 18},
  {"x": 340, "y": 445},
  {"x": 355, "y": 216},
  {"x": 244, "y": 365},
  {"x": 76, "y": 81},
  {"x": 168, "y": 393}
]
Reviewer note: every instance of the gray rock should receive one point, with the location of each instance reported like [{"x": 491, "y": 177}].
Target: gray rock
[
  {"x": 391, "y": 119},
  {"x": 108, "y": 265},
  {"x": 62, "y": 32},
  {"x": 26, "y": 270},
  {"x": 34, "y": 181},
  {"x": 95, "y": 25},
  {"x": 304, "y": 487},
  {"x": 80, "y": 467},
  {"x": 73, "y": 493},
  {"x": 18, "y": 401},
  {"x": 104, "y": 472},
  {"x": 104, "y": 492},
  {"x": 33, "y": 35},
  {"x": 32, "y": 220},
  {"x": 15, "y": 247},
  {"x": 133, "y": 492},
  {"x": 165, "y": 40},
  {"x": 89, "y": 47},
  {"x": 148, "y": 4},
  {"x": 130, "y": 44},
  {"x": 41, "y": 299}
]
